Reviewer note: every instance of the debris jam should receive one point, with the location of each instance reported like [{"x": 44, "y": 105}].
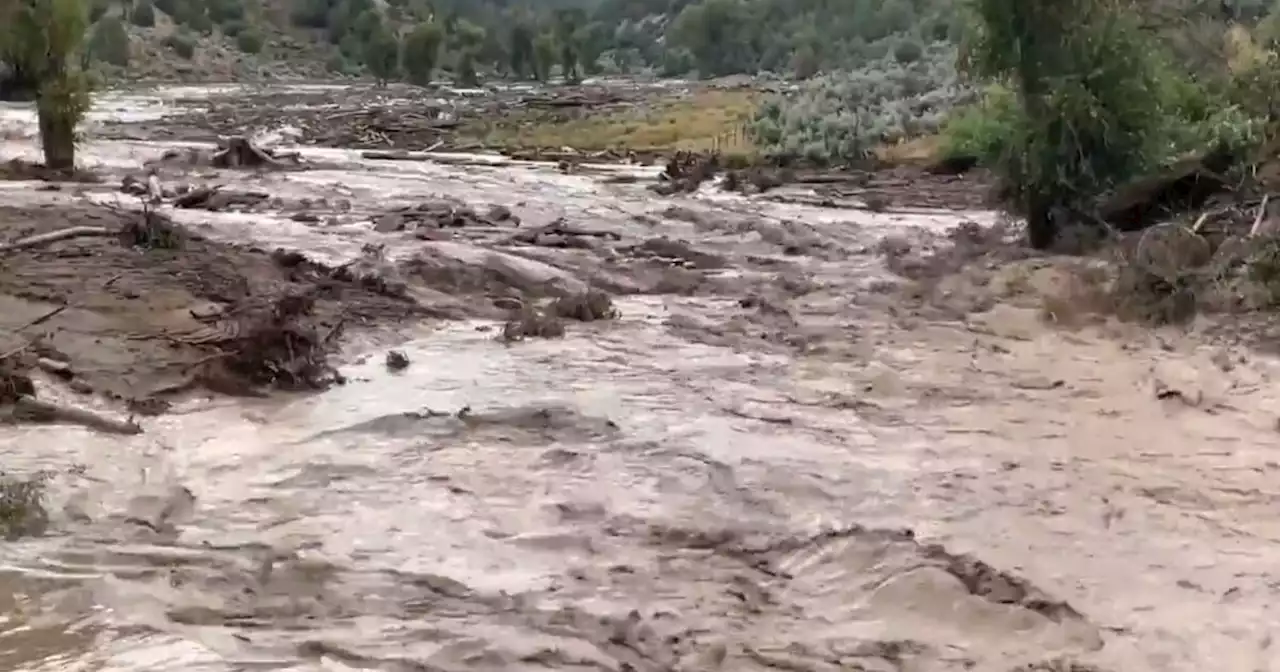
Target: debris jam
[{"x": 295, "y": 408}]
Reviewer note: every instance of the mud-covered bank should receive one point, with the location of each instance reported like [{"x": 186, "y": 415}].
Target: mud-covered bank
[{"x": 135, "y": 318}]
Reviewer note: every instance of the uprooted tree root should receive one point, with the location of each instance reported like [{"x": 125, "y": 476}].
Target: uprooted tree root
[{"x": 278, "y": 344}]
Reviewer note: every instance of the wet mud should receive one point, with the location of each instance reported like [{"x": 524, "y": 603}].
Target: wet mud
[{"x": 584, "y": 426}]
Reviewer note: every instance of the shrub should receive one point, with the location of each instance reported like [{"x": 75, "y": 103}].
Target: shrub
[
  {"x": 841, "y": 116},
  {"x": 183, "y": 44},
  {"x": 110, "y": 42},
  {"x": 982, "y": 129},
  {"x": 144, "y": 14},
  {"x": 250, "y": 41}
]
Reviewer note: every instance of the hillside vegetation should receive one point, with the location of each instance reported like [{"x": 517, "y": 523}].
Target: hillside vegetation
[{"x": 422, "y": 40}]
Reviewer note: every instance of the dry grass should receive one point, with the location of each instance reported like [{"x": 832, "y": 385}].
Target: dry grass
[{"x": 703, "y": 121}]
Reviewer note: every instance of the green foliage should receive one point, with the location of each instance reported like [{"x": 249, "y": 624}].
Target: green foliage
[
  {"x": 421, "y": 52},
  {"x": 1076, "y": 66},
  {"x": 544, "y": 56},
  {"x": 337, "y": 64},
  {"x": 984, "y": 129},
  {"x": 45, "y": 40},
  {"x": 715, "y": 37},
  {"x": 250, "y": 41},
  {"x": 466, "y": 41},
  {"x": 222, "y": 11},
  {"x": 382, "y": 54},
  {"x": 110, "y": 42},
  {"x": 520, "y": 50},
  {"x": 841, "y": 117},
  {"x": 144, "y": 14}
]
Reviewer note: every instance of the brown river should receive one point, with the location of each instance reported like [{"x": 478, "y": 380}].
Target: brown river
[{"x": 837, "y": 483}]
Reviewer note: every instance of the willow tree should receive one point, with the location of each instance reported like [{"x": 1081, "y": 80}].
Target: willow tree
[
  {"x": 1085, "y": 75},
  {"x": 45, "y": 39}
]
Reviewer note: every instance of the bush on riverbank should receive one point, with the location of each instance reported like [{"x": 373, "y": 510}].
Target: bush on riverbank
[{"x": 841, "y": 117}]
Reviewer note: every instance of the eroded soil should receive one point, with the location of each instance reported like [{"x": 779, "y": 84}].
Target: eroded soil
[{"x": 135, "y": 323}]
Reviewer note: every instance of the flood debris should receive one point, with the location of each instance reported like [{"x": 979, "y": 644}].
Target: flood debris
[
  {"x": 441, "y": 214},
  {"x": 55, "y": 236},
  {"x": 527, "y": 319},
  {"x": 686, "y": 171},
  {"x": 22, "y": 506},
  {"x": 239, "y": 151},
  {"x": 218, "y": 199},
  {"x": 1184, "y": 186},
  {"x": 273, "y": 343},
  {"x": 531, "y": 321},
  {"x": 587, "y": 306},
  {"x": 19, "y": 404},
  {"x": 152, "y": 230},
  {"x": 397, "y": 361},
  {"x": 561, "y": 234},
  {"x": 21, "y": 170}
]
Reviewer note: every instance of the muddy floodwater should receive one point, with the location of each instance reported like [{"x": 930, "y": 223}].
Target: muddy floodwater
[{"x": 786, "y": 466}]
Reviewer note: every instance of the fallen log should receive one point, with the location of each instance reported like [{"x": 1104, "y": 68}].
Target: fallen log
[
  {"x": 55, "y": 236},
  {"x": 32, "y": 410}
]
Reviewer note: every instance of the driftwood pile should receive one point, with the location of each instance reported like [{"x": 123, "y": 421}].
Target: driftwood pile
[
  {"x": 371, "y": 128},
  {"x": 686, "y": 171}
]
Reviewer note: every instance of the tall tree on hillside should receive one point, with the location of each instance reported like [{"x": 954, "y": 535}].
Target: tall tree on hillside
[
  {"x": 520, "y": 49},
  {"x": 467, "y": 41},
  {"x": 382, "y": 54},
  {"x": 544, "y": 56},
  {"x": 421, "y": 52},
  {"x": 567, "y": 24}
]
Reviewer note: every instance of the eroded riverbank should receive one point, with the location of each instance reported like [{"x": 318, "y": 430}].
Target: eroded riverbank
[{"x": 720, "y": 478}]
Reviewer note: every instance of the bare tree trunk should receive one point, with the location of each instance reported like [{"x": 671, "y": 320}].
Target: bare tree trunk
[{"x": 58, "y": 139}]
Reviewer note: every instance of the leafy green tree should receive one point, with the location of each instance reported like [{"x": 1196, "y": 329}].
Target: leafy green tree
[
  {"x": 568, "y": 23},
  {"x": 467, "y": 39},
  {"x": 544, "y": 56},
  {"x": 521, "y": 58},
  {"x": 110, "y": 42},
  {"x": 382, "y": 54},
  {"x": 421, "y": 52},
  {"x": 45, "y": 39},
  {"x": 1075, "y": 65}
]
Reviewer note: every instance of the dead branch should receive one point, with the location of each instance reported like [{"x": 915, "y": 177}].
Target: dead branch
[
  {"x": 29, "y": 409},
  {"x": 55, "y": 236}
]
